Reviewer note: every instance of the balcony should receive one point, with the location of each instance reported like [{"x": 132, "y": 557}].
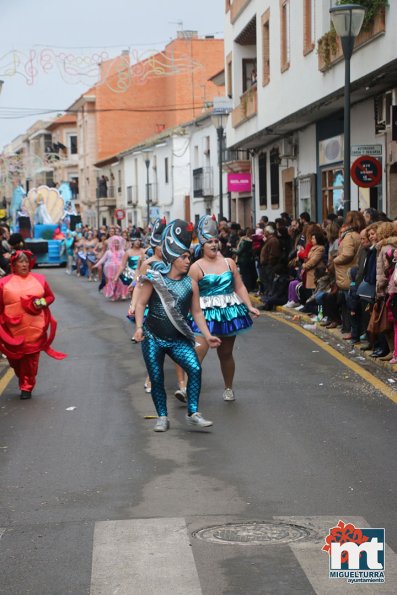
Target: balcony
[
  {"x": 329, "y": 47},
  {"x": 236, "y": 8},
  {"x": 236, "y": 161},
  {"x": 203, "y": 182},
  {"x": 247, "y": 107}
]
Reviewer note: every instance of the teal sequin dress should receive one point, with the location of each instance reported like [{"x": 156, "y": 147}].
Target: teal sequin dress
[
  {"x": 224, "y": 311},
  {"x": 127, "y": 275}
]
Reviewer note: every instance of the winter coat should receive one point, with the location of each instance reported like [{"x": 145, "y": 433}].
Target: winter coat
[
  {"x": 383, "y": 264},
  {"x": 313, "y": 261},
  {"x": 346, "y": 258},
  {"x": 270, "y": 253}
]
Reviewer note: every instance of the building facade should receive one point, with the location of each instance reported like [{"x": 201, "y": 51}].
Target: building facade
[{"x": 285, "y": 74}]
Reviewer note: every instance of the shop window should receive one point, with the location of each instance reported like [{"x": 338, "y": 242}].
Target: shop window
[{"x": 332, "y": 190}]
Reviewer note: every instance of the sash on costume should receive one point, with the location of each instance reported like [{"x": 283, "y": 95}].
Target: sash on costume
[{"x": 169, "y": 305}]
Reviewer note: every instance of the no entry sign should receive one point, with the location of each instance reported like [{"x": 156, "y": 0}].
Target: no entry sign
[
  {"x": 366, "y": 171},
  {"x": 120, "y": 214}
]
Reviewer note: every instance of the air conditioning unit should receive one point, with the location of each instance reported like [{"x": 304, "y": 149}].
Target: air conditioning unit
[
  {"x": 288, "y": 148},
  {"x": 331, "y": 150}
]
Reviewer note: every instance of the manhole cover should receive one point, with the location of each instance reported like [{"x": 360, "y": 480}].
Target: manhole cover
[{"x": 255, "y": 533}]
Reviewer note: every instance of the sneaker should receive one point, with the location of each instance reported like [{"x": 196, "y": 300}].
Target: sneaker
[
  {"x": 228, "y": 395},
  {"x": 299, "y": 308},
  {"x": 392, "y": 361},
  {"x": 26, "y": 394},
  {"x": 162, "y": 424},
  {"x": 291, "y": 304},
  {"x": 181, "y": 395},
  {"x": 147, "y": 387},
  {"x": 196, "y": 419}
]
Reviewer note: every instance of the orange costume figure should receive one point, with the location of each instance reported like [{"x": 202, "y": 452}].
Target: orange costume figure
[{"x": 26, "y": 324}]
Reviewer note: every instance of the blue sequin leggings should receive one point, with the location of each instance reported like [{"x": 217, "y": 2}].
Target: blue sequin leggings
[{"x": 183, "y": 353}]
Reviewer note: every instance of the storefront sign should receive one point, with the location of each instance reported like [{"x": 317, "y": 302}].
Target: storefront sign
[
  {"x": 239, "y": 182},
  {"x": 373, "y": 150},
  {"x": 366, "y": 171}
]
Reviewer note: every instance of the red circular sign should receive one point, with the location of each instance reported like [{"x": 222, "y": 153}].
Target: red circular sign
[
  {"x": 366, "y": 171},
  {"x": 120, "y": 214}
]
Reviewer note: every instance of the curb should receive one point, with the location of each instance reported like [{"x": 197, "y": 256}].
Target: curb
[{"x": 302, "y": 318}]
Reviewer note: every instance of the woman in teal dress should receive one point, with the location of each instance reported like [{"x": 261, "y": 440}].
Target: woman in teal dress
[
  {"x": 224, "y": 300},
  {"x": 130, "y": 263}
]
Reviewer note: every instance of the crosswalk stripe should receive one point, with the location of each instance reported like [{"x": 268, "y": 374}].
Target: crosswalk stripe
[
  {"x": 143, "y": 557},
  {"x": 315, "y": 562}
]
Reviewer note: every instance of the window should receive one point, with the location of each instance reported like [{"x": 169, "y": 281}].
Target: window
[
  {"x": 229, "y": 75},
  {"x": 285, "y": 41},
  {"x": 332, "y": 190},
  {"x": 262, "y": 170},
  {"x": 274, "y": 178},
  {"x": 72, "y": 142},
  {"x": 166, "y": 170},
  {"x": 129, "y": 195},
  {"x": 266, "y": 48},
  {"x": 309, "y": 26},
  {"x": 249, "y": 73},
  {"x": 305, "y": 197}
]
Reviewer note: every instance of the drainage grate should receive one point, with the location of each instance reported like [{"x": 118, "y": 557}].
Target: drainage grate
[{"x": 254, "y": 533}]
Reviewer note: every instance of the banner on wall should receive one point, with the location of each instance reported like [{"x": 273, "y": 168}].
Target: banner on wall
[{"x": 239, "y": 182}]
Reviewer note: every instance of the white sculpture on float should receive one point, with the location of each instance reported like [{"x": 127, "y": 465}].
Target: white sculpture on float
[{"x": 44, "y": 205}]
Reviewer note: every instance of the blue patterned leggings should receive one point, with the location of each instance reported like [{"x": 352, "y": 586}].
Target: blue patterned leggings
[{"x": 183, "y": 353}]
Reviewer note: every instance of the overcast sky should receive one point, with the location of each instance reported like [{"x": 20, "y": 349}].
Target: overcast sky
[{"x": 38, "y": 38}]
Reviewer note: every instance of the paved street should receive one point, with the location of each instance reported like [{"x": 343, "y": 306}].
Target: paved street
[{"x": 93, "y": 501}]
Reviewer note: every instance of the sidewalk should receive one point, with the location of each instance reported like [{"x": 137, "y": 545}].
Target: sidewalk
[{"x": 304, "y": 320}]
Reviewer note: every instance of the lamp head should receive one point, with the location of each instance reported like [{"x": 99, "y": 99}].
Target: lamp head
[{"x": 347, "y": 19}]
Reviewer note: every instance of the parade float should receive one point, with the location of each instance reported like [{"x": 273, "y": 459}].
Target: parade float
[{"x": 42, "y": 222}]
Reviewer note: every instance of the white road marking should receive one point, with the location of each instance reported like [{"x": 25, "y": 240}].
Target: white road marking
[
  {"x": 315, "y": 562},
  {"x": 143, "y": 557}
]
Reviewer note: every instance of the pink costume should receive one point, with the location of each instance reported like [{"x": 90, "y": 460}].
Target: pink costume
[{"x": 111, "y": 262}]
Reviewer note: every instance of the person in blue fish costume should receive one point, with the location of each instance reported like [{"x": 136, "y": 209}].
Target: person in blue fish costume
[
  {"x": 170, "y": 294},
  {"x": 224, "y": 300}
]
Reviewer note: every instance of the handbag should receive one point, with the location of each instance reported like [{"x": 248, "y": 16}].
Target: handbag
[
  {"x": 379, "y": 322},
  {"x": 366, "y": 291}
]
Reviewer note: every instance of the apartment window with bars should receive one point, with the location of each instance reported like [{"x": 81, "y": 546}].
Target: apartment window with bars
[
  {"x": 166, "y": 170},
  {"x": 266, "y": 48},
  {"x": 308, "y": 26},
  {"x": 262, "y": 173},
  {"x": 284, "y": 34}
]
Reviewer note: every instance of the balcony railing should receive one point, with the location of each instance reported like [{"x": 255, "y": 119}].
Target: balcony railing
[
  {"x": 247, "y": 107},
  {"x": 203, "y": 182},
  {"x": 330, "y": 48}
]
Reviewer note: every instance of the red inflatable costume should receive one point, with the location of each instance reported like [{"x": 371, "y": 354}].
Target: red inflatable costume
[{"x": 26, "y": 324}]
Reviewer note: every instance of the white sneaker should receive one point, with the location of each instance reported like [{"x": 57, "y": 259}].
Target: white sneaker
[
  {"x": 181, "y": 395},
  {"x": 291, "y": 304},
  {"x": 148, "y": 389},
  {"x": 228, "y": 395},
  {"x": 162, "y": 424},
  {"x": 196, "y": 419}
]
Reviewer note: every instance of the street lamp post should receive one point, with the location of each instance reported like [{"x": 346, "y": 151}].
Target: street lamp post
[
  {"x": 219, "y": 120},
  {"x": 147, "y": 163},
  {"x": 347, "y": 20}
]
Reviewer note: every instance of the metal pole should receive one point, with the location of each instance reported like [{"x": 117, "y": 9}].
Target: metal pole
[
  {"x": 220, "y": 139},
  {"x": 347, "y": 46},
  {"x": 147, "y": 163},
  {"x": 346, "y": 153}
]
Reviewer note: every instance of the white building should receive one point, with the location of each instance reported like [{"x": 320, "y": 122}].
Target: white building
[
  {"x": 174, "y": 174},
  {"x": 287, "y": 92}
]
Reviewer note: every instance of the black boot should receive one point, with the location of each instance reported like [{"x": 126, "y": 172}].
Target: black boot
[{"x": 26, "y": 394}]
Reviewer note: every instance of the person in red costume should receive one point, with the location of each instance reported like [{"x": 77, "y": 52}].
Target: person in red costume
[{"x": 26, "y": 324}]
